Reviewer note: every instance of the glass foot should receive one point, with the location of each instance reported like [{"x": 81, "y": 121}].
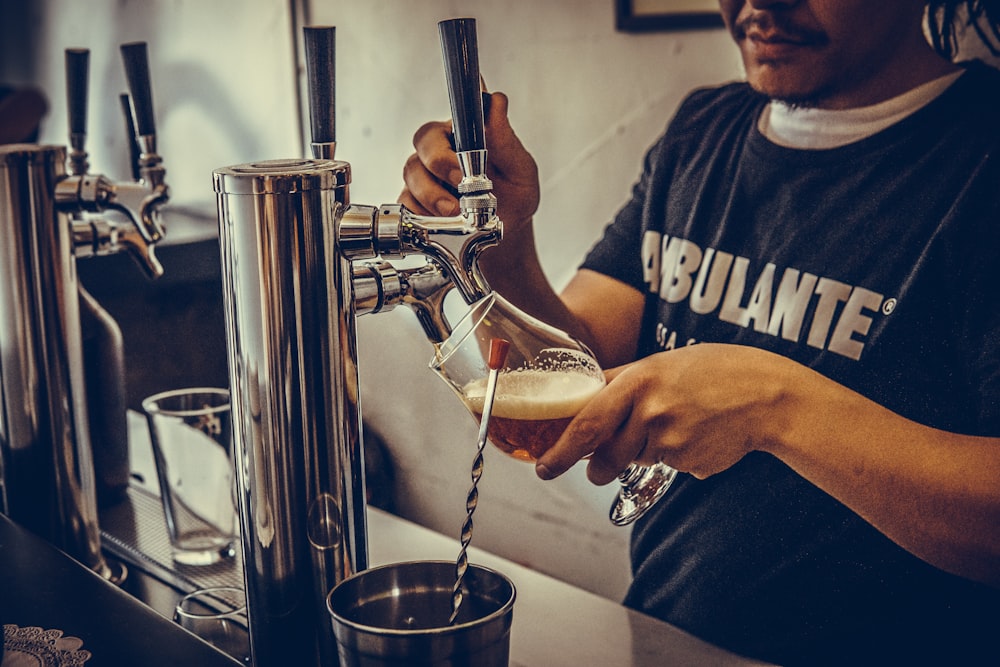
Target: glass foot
[{"x": 642, "y": 486}]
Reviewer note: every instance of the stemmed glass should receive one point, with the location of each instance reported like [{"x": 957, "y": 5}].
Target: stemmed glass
[{"x": 548, "y": 377}]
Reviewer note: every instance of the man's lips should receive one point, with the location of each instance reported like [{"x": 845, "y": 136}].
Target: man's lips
[
  {"x": 775, "y": 37},
  {"x": 768, "y": 43}
]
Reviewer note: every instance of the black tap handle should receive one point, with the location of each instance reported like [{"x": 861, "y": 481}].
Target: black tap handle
[
  {"x": 461, "y": 63},
  {"x": 77, "y": 76},
  {"x": 137, "y": 74},
  {"x": 134, "y": 152},
  {"x": 321, "y": 72}
]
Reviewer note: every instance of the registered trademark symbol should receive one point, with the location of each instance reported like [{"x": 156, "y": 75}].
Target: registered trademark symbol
[{"x": 888, "y": 306}]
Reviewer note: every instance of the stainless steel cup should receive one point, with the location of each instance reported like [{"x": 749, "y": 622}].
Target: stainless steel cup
[{"x": 398, "y": 615}]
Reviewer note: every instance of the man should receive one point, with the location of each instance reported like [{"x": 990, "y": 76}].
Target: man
[{"x": 828, "y": 233}]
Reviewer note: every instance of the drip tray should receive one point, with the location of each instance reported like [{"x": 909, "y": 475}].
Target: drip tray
[{"x": 134, "y": 532}]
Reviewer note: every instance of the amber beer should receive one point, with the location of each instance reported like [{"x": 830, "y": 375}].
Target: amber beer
[{"x": 532, "y": 408}]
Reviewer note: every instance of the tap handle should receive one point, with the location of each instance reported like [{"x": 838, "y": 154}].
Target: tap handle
[
  {"x": 77, "y": 74},
  {"x": 130, "y": 134},
  {"x": 321, "y": 71},
  {"x": 137, "y": 74},
  {"x": 461, "y": 62}
]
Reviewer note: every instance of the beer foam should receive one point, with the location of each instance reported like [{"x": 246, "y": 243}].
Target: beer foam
[{"x": 535, "y": 394}]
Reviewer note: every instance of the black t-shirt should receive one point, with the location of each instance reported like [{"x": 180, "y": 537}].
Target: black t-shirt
[{"x": 878, "y": 265}]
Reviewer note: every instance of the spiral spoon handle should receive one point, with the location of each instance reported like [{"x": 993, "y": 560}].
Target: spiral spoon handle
[{"x": 498, "y": 356}]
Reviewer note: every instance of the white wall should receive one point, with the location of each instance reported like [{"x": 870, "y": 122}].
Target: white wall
[
  {"x": 585, "y": 99},
  {"x": 222, "y": 77}
]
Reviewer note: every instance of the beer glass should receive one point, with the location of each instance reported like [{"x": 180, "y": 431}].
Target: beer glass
[
  {"x": 548, "y": 377},
  {"x": 191, "y": 434}
]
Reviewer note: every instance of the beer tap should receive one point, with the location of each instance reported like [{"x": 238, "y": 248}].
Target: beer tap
[
  {"x": 85, "y": 198},
  {"x": 138, "y": 201},
  {"x": 379, "y": 287},
  {"x": 299, "y": 263},
  {"x": 48, "y": 219},
  {"x": 452, "y": 244},
  {"x": 390, "y": 231}
]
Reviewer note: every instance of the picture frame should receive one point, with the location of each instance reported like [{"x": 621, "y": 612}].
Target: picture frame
[{"x": 639, "y": 16}]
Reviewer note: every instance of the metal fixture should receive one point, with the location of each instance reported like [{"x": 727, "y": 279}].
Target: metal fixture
[
  {"x": 300, "y": 262},
  {"x": 48, "y": 219}
]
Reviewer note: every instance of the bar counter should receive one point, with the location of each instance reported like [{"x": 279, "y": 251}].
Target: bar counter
[
  {"x": 56, "y": 611},
  {"x": 554, "y": 623}
]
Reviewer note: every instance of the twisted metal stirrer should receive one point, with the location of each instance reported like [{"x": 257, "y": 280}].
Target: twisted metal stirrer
[{"x": 498, "y": 355}]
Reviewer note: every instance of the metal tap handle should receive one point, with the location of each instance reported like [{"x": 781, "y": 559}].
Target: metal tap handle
[
  {"x": 320, "y": 44},
  {"x": 461, "y": 62},
  {"x": 77, "y": 75},
  {"x": 137, "y": 74}
]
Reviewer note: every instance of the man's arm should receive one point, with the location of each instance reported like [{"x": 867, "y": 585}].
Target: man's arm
[
  {"x": 934, "y": 493},
  {"x": 702, "y": 408}
]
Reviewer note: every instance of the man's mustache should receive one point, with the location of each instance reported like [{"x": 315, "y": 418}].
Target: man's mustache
[{"x": 779, "y": 25}]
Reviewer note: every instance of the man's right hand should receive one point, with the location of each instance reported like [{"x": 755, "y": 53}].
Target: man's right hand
[{"x": 431, "y": 174}]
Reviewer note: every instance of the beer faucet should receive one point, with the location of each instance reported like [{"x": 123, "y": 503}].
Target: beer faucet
[
  {"x": 451, "y": 244},
  {"x": 48, "y": 219},
  {"x": 299, "y": 263},
  {"x": 138, "y": 200}
]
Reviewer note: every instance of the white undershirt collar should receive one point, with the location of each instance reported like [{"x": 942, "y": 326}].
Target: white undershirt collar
[{"x": 807, "y": 128}]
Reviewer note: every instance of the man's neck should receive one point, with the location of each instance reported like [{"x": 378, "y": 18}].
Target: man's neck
[{"x": 812, "y": 128}]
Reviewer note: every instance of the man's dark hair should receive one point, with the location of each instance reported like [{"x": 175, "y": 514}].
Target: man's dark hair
[{"x": 948, "y": 19}]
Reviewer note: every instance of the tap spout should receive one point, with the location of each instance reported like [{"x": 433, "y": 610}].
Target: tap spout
[
  {"x": 95, "y": 237},
  {"x": 454, "y": 243},
  {"x": 379, "y": 287}
]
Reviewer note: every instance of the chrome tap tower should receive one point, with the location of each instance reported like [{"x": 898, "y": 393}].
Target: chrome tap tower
[
  {"x": 48, "y": 219},
  {"x": 300, "y": 262}
]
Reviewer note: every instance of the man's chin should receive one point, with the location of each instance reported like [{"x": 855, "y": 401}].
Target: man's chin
[
  {"x": 790, "y": 82},
  {"x": 803, "y": 97}
]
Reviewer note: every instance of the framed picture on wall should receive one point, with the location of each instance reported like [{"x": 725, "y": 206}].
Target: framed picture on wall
[{"x": 652, "y": 15}]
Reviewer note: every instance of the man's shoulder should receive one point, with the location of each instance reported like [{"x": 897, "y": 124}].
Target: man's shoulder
[{"x": 707, "y": 118}]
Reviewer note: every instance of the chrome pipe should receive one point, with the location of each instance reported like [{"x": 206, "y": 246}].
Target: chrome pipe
[
  {"x": 49, "y": 479},
  {"x": 293, "y": 367}
]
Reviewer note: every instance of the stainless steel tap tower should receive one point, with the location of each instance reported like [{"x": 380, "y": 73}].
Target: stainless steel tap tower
[
  {"x": 300, "y": 262},
  {"x": 49, "y": 219}
]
